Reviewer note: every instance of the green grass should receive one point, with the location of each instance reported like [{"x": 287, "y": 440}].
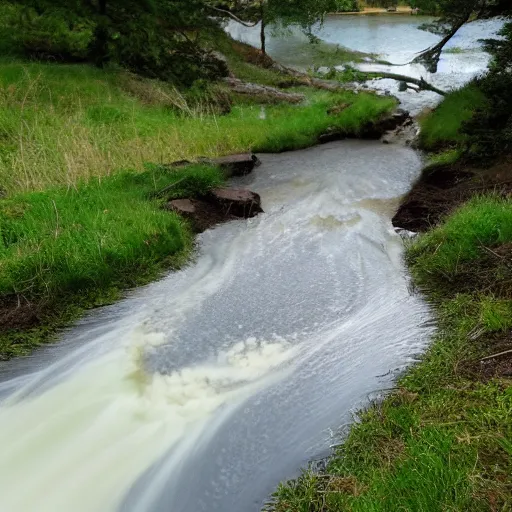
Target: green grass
[
  {"x": 443, "y": 254},
  {"x": 448, "y": 157},
  {"x": 61, "y": 124},
  {"x": 443, "y": 440},
  {"x": 442, "y": 128},
  {"x": 75, "y": 227},
  {"x": 104, "y": 234}
]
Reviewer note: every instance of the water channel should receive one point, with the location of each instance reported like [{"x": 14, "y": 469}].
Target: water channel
[{"x": 200, "y": 392}]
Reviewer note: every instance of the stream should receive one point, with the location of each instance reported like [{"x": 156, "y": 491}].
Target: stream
[{"x": 200, "y": 392}]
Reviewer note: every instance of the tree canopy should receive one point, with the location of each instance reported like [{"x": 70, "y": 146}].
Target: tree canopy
[
  {"x": 302, "y": 13},
  {"x": 155, "y": 38}
]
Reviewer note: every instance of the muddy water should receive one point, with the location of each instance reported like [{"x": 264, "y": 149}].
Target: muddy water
[{"x": 201, "y": 391}]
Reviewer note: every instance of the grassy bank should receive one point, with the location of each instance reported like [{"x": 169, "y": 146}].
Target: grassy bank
[
  {"x": 443, "y": 439},
  {"x": 77, "y": 220},
  {"x": 62, "y": 123},
  {"x": 442, "y": 128}
]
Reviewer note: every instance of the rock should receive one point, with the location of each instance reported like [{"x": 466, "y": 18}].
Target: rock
[
  {"x": 237, "y": 165},
  {"x": 184, "y": 207},
  {"x": 406, "y": 234},
  {"x": 389, "y": 123},
  {"x": 232, "y": 165},
  {"x": 178, "y": 164},
  {"x": 239, "y": 202}
]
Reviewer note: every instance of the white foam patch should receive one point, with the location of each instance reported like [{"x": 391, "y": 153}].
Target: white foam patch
[{"x": 80, "y": 445}]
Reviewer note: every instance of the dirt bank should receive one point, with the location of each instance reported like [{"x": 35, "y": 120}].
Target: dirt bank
[{"x": 443, "y": 188}]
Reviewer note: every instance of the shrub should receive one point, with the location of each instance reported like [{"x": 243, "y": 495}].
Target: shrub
[{"x": 52, "y": 34}]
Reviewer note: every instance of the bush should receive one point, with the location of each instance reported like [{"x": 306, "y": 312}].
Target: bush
[{"x": 51, "y": 35}]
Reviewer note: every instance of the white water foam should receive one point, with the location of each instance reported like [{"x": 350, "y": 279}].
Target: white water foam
[{"x": 80, "y": 445}]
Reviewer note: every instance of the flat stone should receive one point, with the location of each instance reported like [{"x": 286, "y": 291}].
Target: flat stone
[
  {"x": 389, "y": 123},
  {"x": 182, "y": 206},
  {"x": 237, "y": 165},
  {"x": 235, "y": 201}
]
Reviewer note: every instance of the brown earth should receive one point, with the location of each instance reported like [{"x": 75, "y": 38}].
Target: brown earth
[
  {"x": 441, "y": 189},
  {"x": 221, "y": 205}
]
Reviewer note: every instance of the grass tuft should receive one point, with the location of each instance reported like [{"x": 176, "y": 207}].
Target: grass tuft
[
  {"x": 472, "y": 231},
  {"x": 442, "y": 128}
]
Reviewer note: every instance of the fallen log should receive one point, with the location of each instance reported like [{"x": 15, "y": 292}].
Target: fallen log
[
  {"x": 421, "y": 83},
  {"x": 262, "y": 91}
]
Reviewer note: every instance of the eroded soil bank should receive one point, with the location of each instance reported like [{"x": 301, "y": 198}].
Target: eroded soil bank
[{"x": 443, "y": 188}]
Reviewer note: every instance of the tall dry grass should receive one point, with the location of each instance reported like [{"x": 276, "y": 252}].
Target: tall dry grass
[{"x": 62, "y": 124}]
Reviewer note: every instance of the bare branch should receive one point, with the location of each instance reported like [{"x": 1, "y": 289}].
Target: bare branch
[
  {"x": 422, "y": 84},
  {"x": 236, "y": 18}
]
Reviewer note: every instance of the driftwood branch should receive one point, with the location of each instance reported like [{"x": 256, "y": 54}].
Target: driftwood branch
[
  {"x": 497, "y": 355},
  {"x": 232, "y": 16},
  {"x": 421, "y": 83},
  {"x": 265, "y": 91}
]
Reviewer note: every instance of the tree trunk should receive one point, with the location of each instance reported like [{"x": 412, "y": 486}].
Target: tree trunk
[
  {"x": 99, "y": 46},
  {"x": 431, "y": 56},
  {"x": 262, "y": 33},
  {"x": 262, "y": 91}
]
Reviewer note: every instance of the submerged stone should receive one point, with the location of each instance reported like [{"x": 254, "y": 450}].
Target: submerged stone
[
  {"x": 237, "y": 165},
  {"x": 239, "y": 202}
]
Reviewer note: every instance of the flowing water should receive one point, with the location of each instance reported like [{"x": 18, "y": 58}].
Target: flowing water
[
  {"x": 393, "y": 38},
  {"x": 200, "y": 392}
]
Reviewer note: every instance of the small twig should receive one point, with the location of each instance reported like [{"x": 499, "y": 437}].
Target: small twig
[
  {"x": 168, "y": 187},
  {"x": 497, "y": 355}
]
